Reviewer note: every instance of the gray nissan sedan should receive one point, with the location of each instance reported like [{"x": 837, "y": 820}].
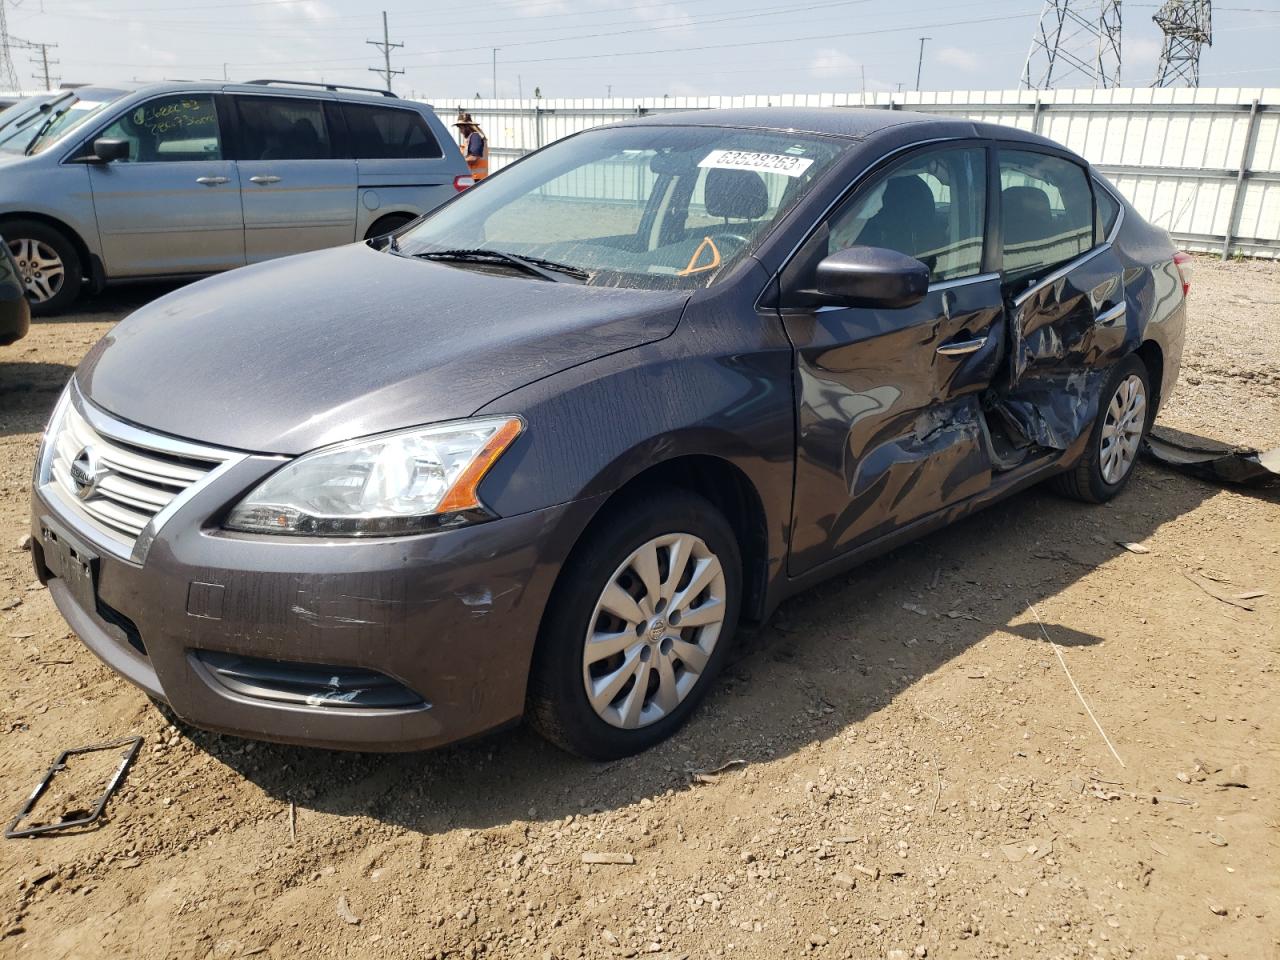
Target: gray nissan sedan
[{"x": 541, "y": 452}]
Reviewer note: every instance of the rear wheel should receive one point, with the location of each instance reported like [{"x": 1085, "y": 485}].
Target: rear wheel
[
  {"x": 638, "y": 627},
  {"x": 47, "y": 262},
  {"x": 1124, "y": 416}
]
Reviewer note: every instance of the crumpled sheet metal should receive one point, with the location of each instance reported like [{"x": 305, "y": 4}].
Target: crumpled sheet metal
[
  {"x": 1053, "y": 412},
  {"x": 1216, "y": 462}
]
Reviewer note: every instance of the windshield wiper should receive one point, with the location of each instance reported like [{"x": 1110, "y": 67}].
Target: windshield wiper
[
  {"x": 537, "y": 266},
  {"x": 49, "y": 121}
]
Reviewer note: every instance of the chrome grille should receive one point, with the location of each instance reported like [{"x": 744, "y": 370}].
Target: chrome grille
[{"x": 118, "y": 478}]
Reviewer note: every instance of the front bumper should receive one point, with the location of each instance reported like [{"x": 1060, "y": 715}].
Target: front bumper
[{"x": 452, "y": 616}]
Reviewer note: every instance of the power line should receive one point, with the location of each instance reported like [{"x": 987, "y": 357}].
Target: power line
[
  {"x": 8, "y": 74},
  {"x": 385, "y": 46}
]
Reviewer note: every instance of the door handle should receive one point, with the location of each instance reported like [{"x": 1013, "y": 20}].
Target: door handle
[
  {"x": 213, "y": 181},
  {"x": 958, "y": 348},
  {"x": 264, "y": 179},
  {"x": 1112, "y": 315}
]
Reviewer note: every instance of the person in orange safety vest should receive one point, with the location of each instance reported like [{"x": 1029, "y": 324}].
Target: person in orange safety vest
[{"x": 474, "y": 145}]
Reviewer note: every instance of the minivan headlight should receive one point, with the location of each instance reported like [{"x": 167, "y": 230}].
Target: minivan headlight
[{"x": 392, "y": 484}]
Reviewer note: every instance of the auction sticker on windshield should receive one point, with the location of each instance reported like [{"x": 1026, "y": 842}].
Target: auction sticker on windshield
[{"x": 759, "y": 162}]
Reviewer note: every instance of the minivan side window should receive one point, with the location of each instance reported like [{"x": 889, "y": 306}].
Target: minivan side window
[
  {"x": 388, "y": 133},
  {"x": 1047, "y": 212},
  {"x": 169, "y": 129},
  {"x": 931, "y": 206},
  {"x": 277, "y": 128}
]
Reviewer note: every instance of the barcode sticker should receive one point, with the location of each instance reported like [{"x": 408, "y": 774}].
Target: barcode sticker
[{"x": 758, "y": 162}]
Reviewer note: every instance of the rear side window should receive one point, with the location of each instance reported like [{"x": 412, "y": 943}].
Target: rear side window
[
  {"x": 1108, "y": 208},
  {"x": 932, "y": 206},
  {"x": 1047, "y": 212},
  {"x": 276, "y": 128},
  {"x": 169, "y": 129},
  {"x": 387, "y": 133}
]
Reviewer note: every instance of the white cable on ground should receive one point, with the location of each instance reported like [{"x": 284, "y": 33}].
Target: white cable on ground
[{"x": 1074, "y": 686}]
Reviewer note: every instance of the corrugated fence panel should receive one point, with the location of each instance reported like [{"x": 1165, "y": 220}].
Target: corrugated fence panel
[{"x": 1176, "y": 154}]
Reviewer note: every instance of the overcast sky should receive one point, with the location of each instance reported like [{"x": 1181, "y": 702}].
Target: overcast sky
[{"x": 585, "y": 48}]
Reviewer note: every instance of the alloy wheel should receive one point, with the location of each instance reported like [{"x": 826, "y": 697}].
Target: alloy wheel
[
  {"x": 1122, "y": 429},
  {"x": 40, "y": 267},
  {"x": 653, "y": 631}
]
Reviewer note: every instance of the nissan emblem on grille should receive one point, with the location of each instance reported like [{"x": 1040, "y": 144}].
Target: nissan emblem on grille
[{"x": 86, "y": 472}]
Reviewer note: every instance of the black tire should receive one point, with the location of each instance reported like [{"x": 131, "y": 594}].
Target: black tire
[
  {"x": 68, "y": 291},
  {"x": 558, "y": 706},
  {"x": 388, "y": 224},
  {"x": 1085, "y": 481}
]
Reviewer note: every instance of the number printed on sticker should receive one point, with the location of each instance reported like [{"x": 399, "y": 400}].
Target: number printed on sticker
[{"x": 759, "y": 162}]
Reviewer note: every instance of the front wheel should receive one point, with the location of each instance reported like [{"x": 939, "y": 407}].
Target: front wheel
[
  {"x": 638, "y": 627},
  {"x": 48, "y": 264},
  {"x": 1124, "y": 416}
]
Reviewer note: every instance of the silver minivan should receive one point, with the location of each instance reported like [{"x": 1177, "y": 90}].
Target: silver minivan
[{"x": 173, "y": 180}]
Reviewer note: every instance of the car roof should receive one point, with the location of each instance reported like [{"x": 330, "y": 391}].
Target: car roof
[
  {"x": 280, "y": 86},
  {"x": 850, "y": 123}
]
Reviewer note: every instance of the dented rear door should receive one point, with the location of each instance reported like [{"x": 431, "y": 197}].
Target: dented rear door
[{"x": 1068, "y": 319}]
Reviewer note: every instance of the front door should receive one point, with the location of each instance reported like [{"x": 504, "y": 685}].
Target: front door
[
  {"x": 173, "y": 206},
  {"x": 889, "y": 422},
  {"x": 298, "y": 194}
]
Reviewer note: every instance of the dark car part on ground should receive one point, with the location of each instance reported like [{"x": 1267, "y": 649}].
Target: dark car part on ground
[
  {"x": 798, "y": 339},
  {"x": 75, "y": 818},
  {"x": 1213, "y": 461}
]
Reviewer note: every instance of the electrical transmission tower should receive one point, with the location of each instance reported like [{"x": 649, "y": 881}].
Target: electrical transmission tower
[
  {"x": 1187, "y": 26},
  {"x": 1076, "y": 43},
  {"x": 8, "y": 73},
  {"x": 385, "y": 46}
]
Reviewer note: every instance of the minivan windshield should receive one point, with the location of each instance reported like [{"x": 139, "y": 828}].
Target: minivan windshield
[
  {"x": 66, "y": 116},
  {"x": 648, "y": 207}
]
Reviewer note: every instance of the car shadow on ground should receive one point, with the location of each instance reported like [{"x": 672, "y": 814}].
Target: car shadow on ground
[{"x": 828, "y": 661}]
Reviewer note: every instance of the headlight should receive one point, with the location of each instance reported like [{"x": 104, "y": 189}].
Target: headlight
[{"x": 381, "y": 486}]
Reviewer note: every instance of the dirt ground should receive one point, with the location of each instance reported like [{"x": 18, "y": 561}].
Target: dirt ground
[{"x": 916, "y": 775}]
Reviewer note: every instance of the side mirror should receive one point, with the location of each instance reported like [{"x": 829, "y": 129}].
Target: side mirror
[
  {"x": 107, "y": 150},
  {"x": 872, "y": 277}
]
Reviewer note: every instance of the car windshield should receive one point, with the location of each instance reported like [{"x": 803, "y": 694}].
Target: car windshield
[
  {"x": 648, "y": 207},
  {"x": 66, "y": 116}
]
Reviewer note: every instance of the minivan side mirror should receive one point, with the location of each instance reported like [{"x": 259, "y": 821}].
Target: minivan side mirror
[
  {"x": 871, "y": 277},
  {"x": 106, "y": 150}
]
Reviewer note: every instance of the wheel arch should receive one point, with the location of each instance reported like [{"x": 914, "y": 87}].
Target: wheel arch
[
  {"x": 68, "y": 231},
  {"x": 1152, "y": 356},
  {"x": 405, "y": 216}
]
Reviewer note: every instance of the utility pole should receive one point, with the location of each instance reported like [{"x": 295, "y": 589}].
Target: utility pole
[
  {"x": 495, "y": 72},
  {"x": 45, "y": 62},
  {"x": 386, "y": 47},
  {"x": 920, "y": 62}
]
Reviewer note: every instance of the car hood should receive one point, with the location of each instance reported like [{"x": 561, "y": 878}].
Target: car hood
[{"x": 294, "y": 354}]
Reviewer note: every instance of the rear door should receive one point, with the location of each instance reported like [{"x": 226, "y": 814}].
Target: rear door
[
  {"x": 298, "y": 192},
  {"x": 888, "y": 403},
  {"x": 173, "y": 206},
  {"x": 1064, "y": 285},
  {"x": 401, "y": 163}
]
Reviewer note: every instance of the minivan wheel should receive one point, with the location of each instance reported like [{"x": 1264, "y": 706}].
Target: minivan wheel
[
  {"x": 1124, "y": 416},
  {"x": 47, "y": 262},
  {"x": 638, "y": 626}
]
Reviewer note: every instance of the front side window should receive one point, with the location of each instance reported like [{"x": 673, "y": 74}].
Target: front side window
[
  {"x": 931, "y": 206},
  {"x": 169, "y": 130},
  {"x": 649, "y": 207},
  {"x": 1047, "y": 212},
  {"x": 385, "y": 133},
  {"x": 276, "y": 128}
]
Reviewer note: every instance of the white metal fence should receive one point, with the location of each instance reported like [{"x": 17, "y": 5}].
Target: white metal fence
[{"x": 1202, "y": 163}]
